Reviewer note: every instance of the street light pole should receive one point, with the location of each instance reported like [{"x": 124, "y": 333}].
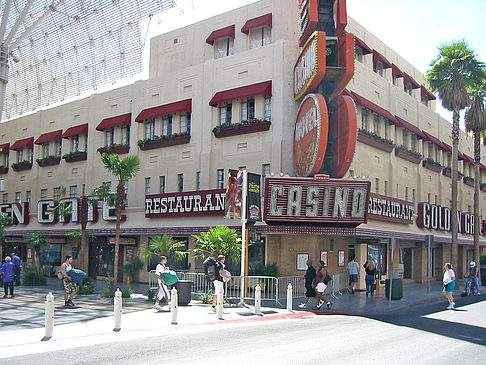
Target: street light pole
[{"x": 244, "y": 193}]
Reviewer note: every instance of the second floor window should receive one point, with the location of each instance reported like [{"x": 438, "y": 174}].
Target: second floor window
[
  {"x": 260, "y": 37},
  {"x": 56, "y": 193},
  {"x": 186, "y": 123},
  {"x": 20, "y": 155},
  {"x": 225, "y": 113},
  {"x": 180, "y": 183},
  {"x": 223, "y": 47},
  {"x": 162, "y": 184},
  {"x": 358, "y": 54},
  {"x": 267, "y": 113},
  {"x": 73, "y": 191},
  {"x": 18, "y": 197},
  {"x": 5, "y": 198},
  {"x": 376, "y": 124},
  {"x": 407, "y": 87},
  {"x": 149, "y": 128},
  {"x": 198, "y": 180},
  {"x": 220, "y": 183},
  {"x": 405, "y": 138},
  {"x": 147, "y": 185},
  {"x": 58, "y": 147},
  {"x": 28, "y": 196},
  {"x": 43, "y": 193},
  {"x": 364, "y": 119},
  {"x": 125, "y": 135},
  {"x": 45, "y": 150},
  {"x": 109, "y": 136},
  {"x": 167, "y": 125},
  {"x": 247, "y": 108},
  {"x": 74, "y": 143},
  {"x": 378, "y": 68}
]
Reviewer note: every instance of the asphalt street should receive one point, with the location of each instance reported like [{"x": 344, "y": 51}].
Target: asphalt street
[{"x": 426, "y": 334}]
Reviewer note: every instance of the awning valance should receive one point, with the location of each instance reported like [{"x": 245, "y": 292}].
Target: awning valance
[
  {"x": 124, "y": 119},
  {"x": 166, "y": 109},
  {"x": 78, "y": 129},
  {"x": 396, "y": 71},
  {"x": 379, "y": 57},
  {"x": 427, "y": 93},
  {"x": 221, "y": 33},
  {"x": 51, "y": 136},
  {"x": 404, "y": 124},
  {"x": 261, "y": 21},
  {"x": 468, "y": 159},
  {"x": 23, "y": 143},
  {"x": 5, "y": 147},
  {"x": 262, "y": 88},
  {"x": 435, "y": 141},
  {"x": 358, "y": 42},
  {"x": 373, "y": 107},
  {"x": 409, "y": 79}
]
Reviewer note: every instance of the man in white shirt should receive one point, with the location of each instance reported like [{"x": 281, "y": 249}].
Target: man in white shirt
[
  {"x": 163, "y": 290},
  {"x": 353, "y": 271}
]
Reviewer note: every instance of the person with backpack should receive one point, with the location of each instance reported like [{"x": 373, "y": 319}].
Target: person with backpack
[
  {"x": 218, "y": 270},
  {"x": 321, "y": 280}
]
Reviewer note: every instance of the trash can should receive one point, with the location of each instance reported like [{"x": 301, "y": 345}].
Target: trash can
[
  {"x": 396, "y": 290},
  {"x": 184, "y": 288}
]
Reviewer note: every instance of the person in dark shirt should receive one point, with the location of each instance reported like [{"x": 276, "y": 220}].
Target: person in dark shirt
[
  {"x": 370, "y": 268},
  {"x": 218, "y": 282},
  {"x": 473, "y": 277},
  {"x": 309, "y": 277},
  {"x": 16, "y": 262}
]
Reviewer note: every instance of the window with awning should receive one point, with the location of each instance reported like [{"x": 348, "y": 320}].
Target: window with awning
[
  {"x": 434, "y": 140},
  {"x": 409, "y": 126},
  {"x": 119, "y": 120},
  {"x": 78, "y": 129},
  {"x": 261, "y": 21},
  {"x": 166, "y": 109},
  {"x": 23, "y": 143},
  {"x": 262, "y": 88},
  {"x": 227, "y": 32},
  {"x": 373, "y": 107},
  {"x": 51, "y": 136}
]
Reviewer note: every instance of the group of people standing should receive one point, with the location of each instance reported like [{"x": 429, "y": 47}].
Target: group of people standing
[
  {"x": 10, "y": 272},
  {"x": 315, "y": 285}
]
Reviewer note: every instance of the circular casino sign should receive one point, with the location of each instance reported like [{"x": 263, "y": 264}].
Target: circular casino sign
[{"x": 310, "y": 135}]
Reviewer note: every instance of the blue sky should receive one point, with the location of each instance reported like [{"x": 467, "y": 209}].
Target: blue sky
[{"x": 413, "y": 28}]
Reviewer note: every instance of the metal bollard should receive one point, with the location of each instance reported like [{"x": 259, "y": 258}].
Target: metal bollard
[
  {"x": 258, "y": 299},
  {"x": 289, "y": 297},
  {"x": 117, "y": 308},
  {"x": 174, "y": 304},
  {"x": 49, "y": 313},
  {"x": 219, "y": 303}
]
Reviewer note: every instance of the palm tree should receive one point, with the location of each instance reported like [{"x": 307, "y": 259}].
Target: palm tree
[
  {"x": 164, "y": 245},
  {"x": 124, "y": 170},
  {"x": 476, "y": 123},
  {"x": 454, "y": 70},
  {"x": 218, "y": 240}
]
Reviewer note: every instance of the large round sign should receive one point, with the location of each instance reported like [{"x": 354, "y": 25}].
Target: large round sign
[{"x": 310, "y": 135}]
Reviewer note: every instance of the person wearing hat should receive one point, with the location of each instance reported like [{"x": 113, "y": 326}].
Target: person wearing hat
[
  {"x": 7, "y": 270},
  {"x": 473, "y": 277}
]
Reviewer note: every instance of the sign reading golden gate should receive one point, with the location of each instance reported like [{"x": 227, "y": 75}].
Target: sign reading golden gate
[
  {"x": 307, "y": 201},
  {"x": 310, "y": 68},
  {"x": 310, "y": 135}
]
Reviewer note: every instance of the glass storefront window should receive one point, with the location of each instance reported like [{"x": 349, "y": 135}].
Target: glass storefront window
[
  {"x": 51, "y": 254},
  {"x": 377, "y": 253}
]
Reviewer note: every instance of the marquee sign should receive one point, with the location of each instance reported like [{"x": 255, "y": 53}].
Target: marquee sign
[
  {"x": 390, "y": 209},
  {"x": 307, "y": 21},
  {"x": 193, "y": 203},
  {"x": 307, "y": 201},
  {"x": 310, "y": 68},
  {"x": 310, "y": 135},
  {"x": 436, "y": 217}
]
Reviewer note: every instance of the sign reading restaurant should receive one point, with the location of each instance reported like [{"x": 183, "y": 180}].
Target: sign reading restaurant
[
  {"x": 390, "y": 209},
  {"x": 194, "y": 203},
  {"x": 307, "y": 201}
]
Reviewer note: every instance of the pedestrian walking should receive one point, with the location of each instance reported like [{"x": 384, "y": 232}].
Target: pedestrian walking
[
  {"x": 163, "y": 292},
  {"x": 218, "y": 281},
  {"x": 353, "y": 271},
  {"x": 17, "y": 268},
  {"x": 321, "y": 285},
  {"x": 449, "y": 284},
  {"x": 7, "y": 271},
  {"x": 70, "y": 287},
  {"x": 370, "y": 269},
  {"x": 310, "y": 290}
]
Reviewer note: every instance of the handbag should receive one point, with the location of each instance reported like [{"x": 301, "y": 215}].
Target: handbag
[
  {"x": 60, "y": 276},
  {"x": 170, "y": 277},
  {"x": 327, "y": 279}
]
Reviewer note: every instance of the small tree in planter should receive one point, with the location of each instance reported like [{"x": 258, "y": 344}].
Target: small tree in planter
[
  {"x": 218, "y": 240},
  {"x": 38, "y": 241},
  {"x": 163, "y": 245}
]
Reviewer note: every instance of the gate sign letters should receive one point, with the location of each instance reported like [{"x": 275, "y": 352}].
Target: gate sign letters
[{"x": 307, "y": 201}]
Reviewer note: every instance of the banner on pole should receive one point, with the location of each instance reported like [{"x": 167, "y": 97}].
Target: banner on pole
[
  {"x": 254, "y": 200},
  {"x": 234, "y": 192}
]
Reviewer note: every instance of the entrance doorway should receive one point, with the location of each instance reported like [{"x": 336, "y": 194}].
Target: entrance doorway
[{"x": 406, "y": 259}]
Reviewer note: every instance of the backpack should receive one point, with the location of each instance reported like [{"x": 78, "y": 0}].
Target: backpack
[
  {"x": 210, "y": 269},
  {"x": 327, "y": 279}
]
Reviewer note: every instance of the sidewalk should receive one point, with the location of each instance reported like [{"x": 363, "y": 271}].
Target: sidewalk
[{"x": 92, "y": 320}]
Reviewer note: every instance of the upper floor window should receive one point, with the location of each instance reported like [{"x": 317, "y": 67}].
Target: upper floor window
[
  {"x": 147, "y": 185},
  {"x": 74, "y": 143},
  {"x": 45, "y": 149},
  {"x": 220, "y": 183},
  {"x": 267, "y": 113},
  {"x": 73, "y": 191},
  {"x": 58, "y": 147},
  {"x": 407, "y": 87},
  {"x": 149, "y": 128},
  {"x": 18, "y": 197},
  {"x": 43, "y": 193},
  {"x": 109, "y": 136},
  {"x": 28, "y": 196},
  {"x": 395, "y": 80},
  {"x": 198, "y": 180},
  {"x": 24, "y": 154},
  {"x": 378, "y": 67},
  {"x": 413, "y": 142},
  {"x": 376, "y": 124},
  {"x": 186, "y": 122},
  {"x": 358, "y": 54},
  {"x": 248, "y": 108},
  {"x": 260, "y": 37},
  {"x": 56, "y": 193},
  {"x": 223, "y": 47},
  {"x": 225, "y": 113},
  {"x": 405, "y": 138},
  {"x": 364, "y": 119},
  {"x": 125, "y": 134},
  {"x": 180, "y": 183},
  {"x": 167, "y": 125},
  {"x": 162, "y": 184},
  {"x": 5, "y": 198}
]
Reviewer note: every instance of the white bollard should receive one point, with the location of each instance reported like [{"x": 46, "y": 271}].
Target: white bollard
[
  {"x": 117, "y": 308},
  {"x": 174, "y": 304},
  {"x": 289, "y": 297},
  {"x": 258, "y": 299},
  {"x": 49, "y": 313},
  {"x": 219, "y": 303}
]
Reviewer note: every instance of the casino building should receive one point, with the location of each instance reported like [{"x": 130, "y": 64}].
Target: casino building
[{"x": 221, "y": 96}]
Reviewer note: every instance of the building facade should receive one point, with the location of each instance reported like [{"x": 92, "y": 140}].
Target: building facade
[{"x": 220, "y": 96}]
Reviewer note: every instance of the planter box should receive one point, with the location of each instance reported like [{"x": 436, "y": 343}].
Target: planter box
[
  {"x": 119, "y": 150},
  {"x": 50, "y": 162},
  {"x": 468, "y": 181},
  {"x": 234, "y": 130},
  {"x": 407, "y": 156},
  {"x": 370, "y": 141},
  {"x": 161, "y": 143},
  {"x": 3, "y": 170},
  {"x": 22, "y": 166},
  {"x": 81, "y": 156},
  {"x": 428, "y": 165}
]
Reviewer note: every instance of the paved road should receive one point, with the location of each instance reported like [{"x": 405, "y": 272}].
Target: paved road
[{"x": 426, "y": 334}]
